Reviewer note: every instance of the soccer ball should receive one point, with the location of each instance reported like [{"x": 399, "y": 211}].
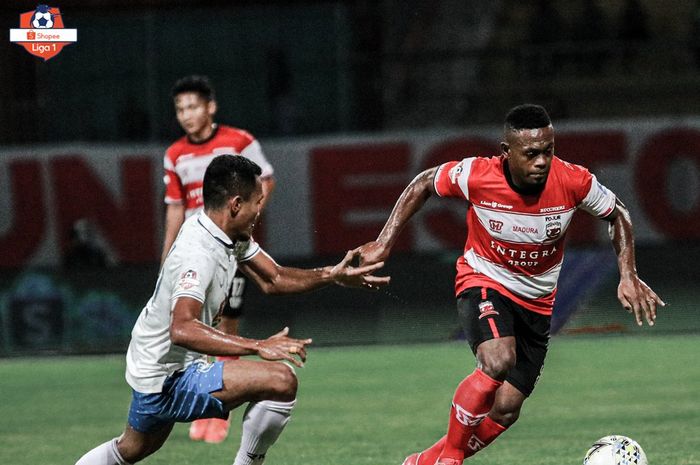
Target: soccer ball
[
  {"x": 615, "y": 450},
  {"x": 42, "y": 18}
]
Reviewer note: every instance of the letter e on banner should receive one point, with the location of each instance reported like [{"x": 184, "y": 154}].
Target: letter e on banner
[{"x": 354, "y": 188}]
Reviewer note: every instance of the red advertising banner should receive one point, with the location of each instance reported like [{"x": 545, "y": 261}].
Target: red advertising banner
[{"x": 334, "y": 193}]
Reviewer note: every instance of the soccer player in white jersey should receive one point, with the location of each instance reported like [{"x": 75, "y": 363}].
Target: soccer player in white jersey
[
  {"x": 170, "y": 377},
  {"x": 184, "y": 163},
  {"x": 520, "y": 205}
]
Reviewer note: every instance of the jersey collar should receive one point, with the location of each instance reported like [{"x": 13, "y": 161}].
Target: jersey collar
[
  {"x": 214, "y": 230},
  {"x": 215, "y": 129},
  {"x": 519, "y": 190}
]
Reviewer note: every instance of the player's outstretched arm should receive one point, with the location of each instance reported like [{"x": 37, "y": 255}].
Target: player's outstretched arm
[
  {"x": 273, "y": 278},
  {"x": 186, "y": 330},
  {"x": 633, "y": 293},
  {"x": 411, "y": 200}
]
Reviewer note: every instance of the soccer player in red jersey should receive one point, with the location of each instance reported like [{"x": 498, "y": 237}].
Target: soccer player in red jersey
[
  {"x": 185, "y": 162},
  {"x": 520, "y": 205}
]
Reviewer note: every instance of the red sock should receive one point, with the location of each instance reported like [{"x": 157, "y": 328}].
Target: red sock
[
  {"x": 484, "y": 434},
  {"x": 472, "y": 401},
  {"x": 430, "y": 455},
  {"x": 223, "y": 358}
]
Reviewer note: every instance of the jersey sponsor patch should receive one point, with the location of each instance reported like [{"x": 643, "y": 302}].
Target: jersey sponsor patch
[{"x": 188, "y": 280}]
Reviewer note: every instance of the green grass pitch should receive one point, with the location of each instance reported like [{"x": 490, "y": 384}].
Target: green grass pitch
[{"x": 374, "y": 405}]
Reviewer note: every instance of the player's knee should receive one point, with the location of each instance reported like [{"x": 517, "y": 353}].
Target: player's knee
[
  {"x": 498, "y": 364},
  {"x": 497, "y": 357},
  {"x": 285, "y": 383}
]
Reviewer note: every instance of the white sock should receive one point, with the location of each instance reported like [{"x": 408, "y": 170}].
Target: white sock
[
  {"x": 104, "y": 454},
  {"x": 262, "y": 424}
]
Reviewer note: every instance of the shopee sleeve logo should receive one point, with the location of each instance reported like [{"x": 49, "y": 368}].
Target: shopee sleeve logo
[{"x": 41, "y": 32}]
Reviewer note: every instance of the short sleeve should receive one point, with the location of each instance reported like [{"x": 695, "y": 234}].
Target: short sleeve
[
  {"x": 254, "y": 152},
  {"x": 174, "y": 190},
  {"x": 245, "y": 250},
  {"x": 451, "y": 179},
  {"x": 599, "y": 201},
  {"x": 193, "y": 273}
]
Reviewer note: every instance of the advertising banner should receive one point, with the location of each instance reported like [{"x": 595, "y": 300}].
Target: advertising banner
[{"x": 63, "y": 204}]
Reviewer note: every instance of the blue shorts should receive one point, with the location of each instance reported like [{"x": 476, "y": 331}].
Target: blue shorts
[{"x": 186, "y": 396}]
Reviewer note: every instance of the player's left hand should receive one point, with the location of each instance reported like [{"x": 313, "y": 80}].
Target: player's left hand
[
  {"x": 346, "y": 275},
  {"x": 638, "y": 298},
  {"x": 282, "y": 347}
]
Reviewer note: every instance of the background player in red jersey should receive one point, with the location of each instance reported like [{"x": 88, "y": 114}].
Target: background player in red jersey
[
  {"x": 185, "y": 163},
  {"x": 520, "y": 204}
]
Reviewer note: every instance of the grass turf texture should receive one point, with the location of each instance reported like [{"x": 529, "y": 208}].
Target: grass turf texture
[{"x": 374, "y": 405}]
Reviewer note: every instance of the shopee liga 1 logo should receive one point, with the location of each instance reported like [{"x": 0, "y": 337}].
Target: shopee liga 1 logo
[{"x": 41, "y": 32}]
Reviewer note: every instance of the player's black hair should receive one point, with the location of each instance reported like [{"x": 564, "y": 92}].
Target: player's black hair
[
  {"x": 527, "y": 116},
  {"x": 228, "y": 176},
  {"x": 195, "y": 83}
]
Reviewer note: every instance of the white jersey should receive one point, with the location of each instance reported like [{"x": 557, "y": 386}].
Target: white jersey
[{"x": 201, "y": 265}]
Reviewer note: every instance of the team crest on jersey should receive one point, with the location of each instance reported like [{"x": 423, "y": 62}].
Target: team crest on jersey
[
  {"x": 455, "y": 172},
  {"x": 495, "y": 226},
  {"x": 553, "y": 229},
  {"x": 486, "y": 308},
  {"x": 188, "y": 280}
]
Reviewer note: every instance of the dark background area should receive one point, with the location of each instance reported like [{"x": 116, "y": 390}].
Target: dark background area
[{"x": 318, "y": 67}]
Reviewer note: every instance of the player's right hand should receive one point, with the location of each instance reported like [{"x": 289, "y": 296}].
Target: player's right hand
[
  {"x": 281, "y": 347},
  {"x": 344, "y": 274}
]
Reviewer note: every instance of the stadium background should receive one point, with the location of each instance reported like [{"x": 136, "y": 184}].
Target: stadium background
[{"x": 350, "y": 100}]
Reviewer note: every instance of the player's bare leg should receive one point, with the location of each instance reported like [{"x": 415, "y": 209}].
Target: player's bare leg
[
  {"x": 131, "y": 447},
  {"x": 252, "y": 380},
  {"x": 135, "y": 446},
  {"x": 475, "y": 397},
  {"x": 270, "y": 388},
  {"x": 506, "y": 408}
]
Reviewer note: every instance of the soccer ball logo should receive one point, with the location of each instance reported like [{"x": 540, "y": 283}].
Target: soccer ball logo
[
  {"x": 615, "y": 450},
  {"x": 42, "y": 17}
]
